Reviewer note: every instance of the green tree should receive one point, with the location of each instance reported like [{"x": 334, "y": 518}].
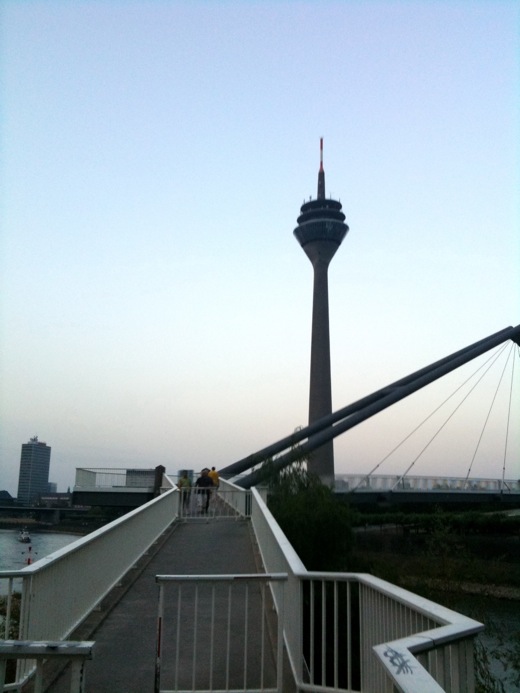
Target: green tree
[{"x": 316, "y": 524}]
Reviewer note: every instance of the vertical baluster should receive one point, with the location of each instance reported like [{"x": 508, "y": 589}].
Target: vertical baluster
[
  {"x": 178, "y": 636},
  {"x": 3, "y": 664},
  {"x": 246, "y": 631},
  {"x": 311, "y": 634},
  {"x": 8, "y": 608},
  {"x": 323, "y": 632},
  {"x": 38, "y": 679},
  {"x": 263, "y": 615},
  {"x": 212, "y": 637},
  {"x": 195, "y": 632},
  {"x": 336, "y": 653},
  {"x": 228, "y": 635},
  {"x": 279, "y": 659},
  {"x": 159, "y": 640},
  {"x": 77, "y": 676},
  {"x": 349, "y": 637}
]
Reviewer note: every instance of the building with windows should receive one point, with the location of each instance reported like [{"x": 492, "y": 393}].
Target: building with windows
[{"x": 33, "y": 479}]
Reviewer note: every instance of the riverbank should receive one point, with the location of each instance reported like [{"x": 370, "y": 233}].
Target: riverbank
[
  {"x": 441, "y": 560},
  {"x": 473, "y": 574},
  {"x": 16, "y": 522}
]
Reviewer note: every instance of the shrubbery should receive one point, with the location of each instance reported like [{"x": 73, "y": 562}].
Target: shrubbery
[
  {"x": 316, "y": 524},
  {"x": 469, "y": 522}
]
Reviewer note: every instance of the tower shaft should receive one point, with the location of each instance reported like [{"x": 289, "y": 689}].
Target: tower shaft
[
  {"x": 320, "y": 395},
  {"x": 320, "y": 390}
]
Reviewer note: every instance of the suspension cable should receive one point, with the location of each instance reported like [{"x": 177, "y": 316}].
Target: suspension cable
[
  {"x": 516, "y": 352},
  {"x": 483, "y": 365},
  {"x": 487, "y": 419},
  {"x": 448, "y": 419}
]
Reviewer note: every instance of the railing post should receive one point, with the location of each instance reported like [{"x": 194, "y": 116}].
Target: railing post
[
  {"x": 77, "y": 676},
  {"x": 76, "y": 652},
  {"x": 158, "y": 644},
  {"x": 279, "y": 652}
]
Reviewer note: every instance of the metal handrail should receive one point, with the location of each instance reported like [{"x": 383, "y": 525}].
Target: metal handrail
[
  {"x": 77, "y": 652},
  {"x": 205, "y": 656},
  {"x": 94, "y": 565},
  {"x": 389, "y": 617}
]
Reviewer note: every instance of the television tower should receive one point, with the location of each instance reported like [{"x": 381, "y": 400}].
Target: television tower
[{"x": 320, "y": 231}]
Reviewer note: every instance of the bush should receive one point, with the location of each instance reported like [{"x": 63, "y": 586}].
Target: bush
[{"x": 316, "y": 524}]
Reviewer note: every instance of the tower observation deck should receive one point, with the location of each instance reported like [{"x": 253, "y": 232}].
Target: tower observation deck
[{"x": 320, "y": 231}]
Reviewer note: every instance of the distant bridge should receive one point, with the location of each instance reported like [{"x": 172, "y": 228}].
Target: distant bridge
[{"x": 448, "y": 492}]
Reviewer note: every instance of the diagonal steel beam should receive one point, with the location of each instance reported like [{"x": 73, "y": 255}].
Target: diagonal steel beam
[{"x": 342, "y": 420}]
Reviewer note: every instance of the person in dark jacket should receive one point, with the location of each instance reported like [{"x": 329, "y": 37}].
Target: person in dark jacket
[{"x": 204, "y": 485}]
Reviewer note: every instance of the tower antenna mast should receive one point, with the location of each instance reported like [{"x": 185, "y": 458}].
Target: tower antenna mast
[{"x": 321, "y": 174}]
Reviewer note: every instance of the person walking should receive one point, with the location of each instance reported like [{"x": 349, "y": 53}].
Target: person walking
[
  {"x": 184, "y": 484},
  {"x": 204, "y": 485},
  {"x": 215, "y": 477}
]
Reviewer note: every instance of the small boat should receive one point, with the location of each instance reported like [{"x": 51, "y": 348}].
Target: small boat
[{"x": 24, "y": 536}]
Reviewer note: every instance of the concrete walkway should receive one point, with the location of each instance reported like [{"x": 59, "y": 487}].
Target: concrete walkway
[{"x": 125, "y": 650}]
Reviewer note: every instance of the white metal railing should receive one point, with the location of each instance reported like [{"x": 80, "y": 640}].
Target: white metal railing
[
  {"x": 91, "y": 478},
  {"x": 225, "y": 642},
  {"x": 441, "y": 638},
  {"x": 389, "y": 482},
  {"x": 354, "y": 632},
  {"x": 74, "y": 652},
  {"x": 236, "y": 497},
  {"x": 226, "y": 501},
  {"x": 342, "y": 631},
  {"x": 167, "y": 483},
  {"x": 279, "y": 556},
  {"x": 80, "y": 575}
]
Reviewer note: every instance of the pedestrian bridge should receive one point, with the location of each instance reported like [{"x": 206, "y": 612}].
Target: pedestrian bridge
[{"x": 171, "y": 599}]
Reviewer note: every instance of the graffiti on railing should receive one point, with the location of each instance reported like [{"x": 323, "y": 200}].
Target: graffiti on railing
[{"x": 399, "y": 661}]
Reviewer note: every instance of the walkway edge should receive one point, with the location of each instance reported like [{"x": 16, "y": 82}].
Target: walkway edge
[{"x": 87, "y": 628}]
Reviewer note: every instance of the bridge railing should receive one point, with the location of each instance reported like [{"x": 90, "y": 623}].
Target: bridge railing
[
  {"x": 79, "y": 576},
  {"x": 346, "y": 631},
  {"x": 342, "y": 631},
  {"x": 213, "y": 634},
  {"x": 234, "y": 498},
  {"x": 89, "y": 479},
  {"x": 226, "y": 501},
  {"x": 74, "y": 652},
  {"x": 389, "y": 482}
]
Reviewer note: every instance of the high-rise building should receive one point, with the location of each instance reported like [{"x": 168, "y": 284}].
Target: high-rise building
[
  {"x": 320, "y": 231},
  {"x": 34, "y": 470}
]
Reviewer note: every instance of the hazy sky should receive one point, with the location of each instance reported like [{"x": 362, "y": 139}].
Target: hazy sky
[{"x": 155, "y": 306}]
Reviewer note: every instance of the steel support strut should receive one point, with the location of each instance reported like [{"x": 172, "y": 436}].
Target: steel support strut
[{"x": 327, "y": 428}]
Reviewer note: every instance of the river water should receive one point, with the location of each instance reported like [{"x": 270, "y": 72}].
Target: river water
[
  {"x": 15, "y": 555},
  {"x": 501, "y": 637}
]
